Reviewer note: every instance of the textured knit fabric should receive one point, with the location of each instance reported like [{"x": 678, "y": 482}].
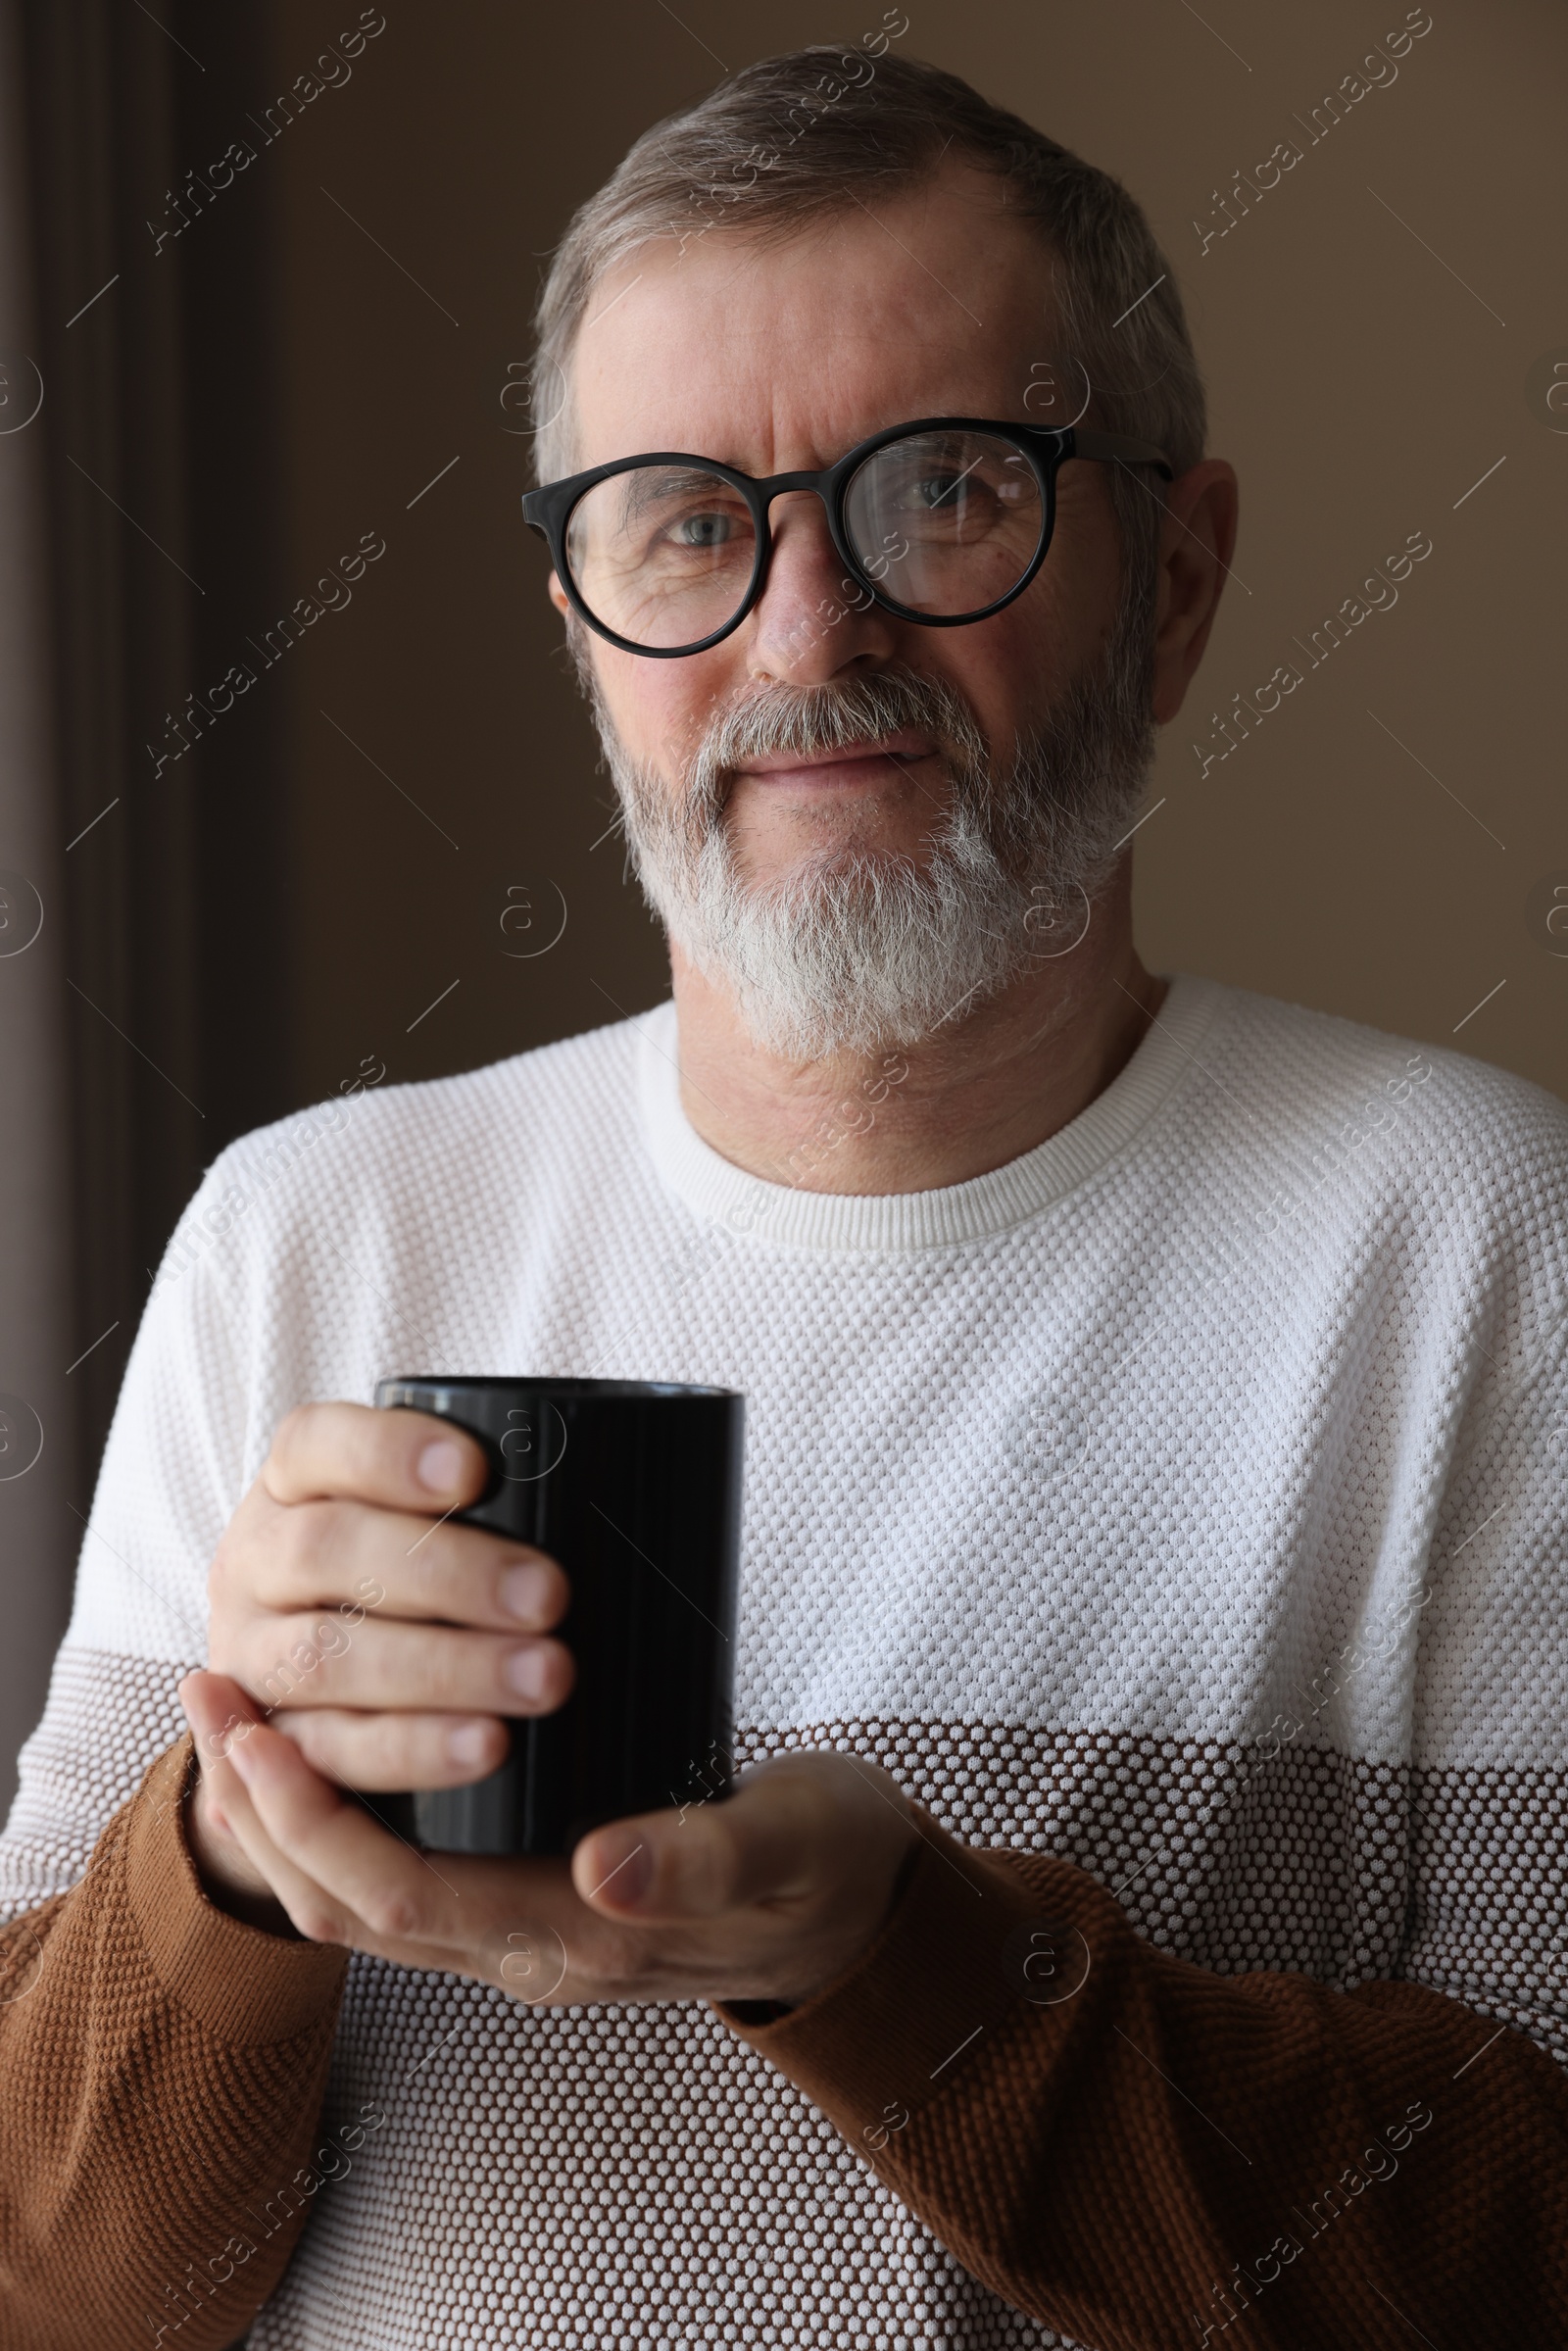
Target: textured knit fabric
[
  {"x": 161, "y": 2069},
  {"x": 1179, "y": 1509}
]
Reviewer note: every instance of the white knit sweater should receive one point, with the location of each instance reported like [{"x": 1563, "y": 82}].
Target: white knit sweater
[{"x": 1186, "y": 1497}]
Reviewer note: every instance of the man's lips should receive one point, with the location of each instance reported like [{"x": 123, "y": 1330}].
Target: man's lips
[{"x": 850, "y": 762}]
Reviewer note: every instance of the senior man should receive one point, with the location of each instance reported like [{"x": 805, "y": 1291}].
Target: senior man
[{"x": 1145, "y": 1918}]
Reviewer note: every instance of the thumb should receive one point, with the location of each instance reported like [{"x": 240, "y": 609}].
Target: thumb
[{"x": 774, "y": 1840}]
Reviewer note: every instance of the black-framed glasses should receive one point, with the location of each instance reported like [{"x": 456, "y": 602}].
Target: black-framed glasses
[{"x": 942, "y": 521}]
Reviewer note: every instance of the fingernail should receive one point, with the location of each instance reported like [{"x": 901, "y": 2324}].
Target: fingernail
[
  {"x": 440, "y": 1465},
  {"x": 527, "y": 1672},
  {"x": 469, "y": 1743},
  {"x": 630, "y": 1878},
  {"x": 240, "y": 1756},
  {"x": 526, "y": 1590}
]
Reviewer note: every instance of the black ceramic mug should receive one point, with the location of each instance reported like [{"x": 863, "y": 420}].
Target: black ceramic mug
[{"x": 635, "y": 1487}]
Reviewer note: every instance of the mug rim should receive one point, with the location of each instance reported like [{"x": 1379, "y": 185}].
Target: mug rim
[{"x": 484, "y": 1382}]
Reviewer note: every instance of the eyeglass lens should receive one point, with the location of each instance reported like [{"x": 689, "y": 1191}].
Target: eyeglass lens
[{"x": 945, "y": 523}]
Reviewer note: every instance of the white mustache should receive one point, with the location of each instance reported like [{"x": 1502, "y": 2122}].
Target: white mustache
[{"x": 808, "y": 719}]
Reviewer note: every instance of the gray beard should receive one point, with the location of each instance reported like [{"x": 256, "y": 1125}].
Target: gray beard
[{"x": 854, "y": 950}]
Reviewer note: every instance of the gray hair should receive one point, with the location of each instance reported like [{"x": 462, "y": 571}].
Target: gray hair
[{"x": 798, "y": 137}]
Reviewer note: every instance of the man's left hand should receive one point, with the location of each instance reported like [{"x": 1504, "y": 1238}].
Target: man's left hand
[{"x": 767, "y": 1895}]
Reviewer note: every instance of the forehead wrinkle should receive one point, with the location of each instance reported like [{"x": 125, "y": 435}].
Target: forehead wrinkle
[{"x": 768, "y": 399}]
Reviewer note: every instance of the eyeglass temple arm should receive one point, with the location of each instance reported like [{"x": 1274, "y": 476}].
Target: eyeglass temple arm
[{"x": 1112, "y": 448}]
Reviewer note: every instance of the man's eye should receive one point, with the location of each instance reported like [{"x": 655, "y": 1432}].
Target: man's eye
[
  {"x": 702, "y": 531},
  {"x": 935, "y": 489},
  {"x": 957, "y": 493}
]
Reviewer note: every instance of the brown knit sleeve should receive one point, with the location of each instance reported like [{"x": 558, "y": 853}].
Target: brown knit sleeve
[
  {"x": 161, "y": 2068},
  {"x": 1141, "y": 2153}
]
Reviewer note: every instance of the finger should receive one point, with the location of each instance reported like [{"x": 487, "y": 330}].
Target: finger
[
  {"x": 315, "y": 1660},
  {"x": 355, "y": 1555},
  {"x": 220, "y": 1712},
  {"x": 344, "y": 1870},
  {"x": 763, "y": 1843},
  {"x": 406, "y": 1460},
  {"x": 396, "y": 1750},
  {"x": 306, "y": 1904}
]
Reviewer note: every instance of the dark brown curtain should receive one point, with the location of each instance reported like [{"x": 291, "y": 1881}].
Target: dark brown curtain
[{"x": 156, "y": 348}]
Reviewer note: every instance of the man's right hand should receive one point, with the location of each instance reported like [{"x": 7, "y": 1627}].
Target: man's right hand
[{"x": 384, "y": 1640}]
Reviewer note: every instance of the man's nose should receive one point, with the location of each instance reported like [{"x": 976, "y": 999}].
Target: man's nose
[{"x": 813, "y": 618}]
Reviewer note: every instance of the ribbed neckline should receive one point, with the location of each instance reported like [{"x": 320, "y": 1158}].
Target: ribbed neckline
[{"x": 721, "y": 1193}]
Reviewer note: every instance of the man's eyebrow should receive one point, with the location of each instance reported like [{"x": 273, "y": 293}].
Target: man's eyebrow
[
  {"x": 644, "y": 484},
  {"x": 652, "y": 479}
]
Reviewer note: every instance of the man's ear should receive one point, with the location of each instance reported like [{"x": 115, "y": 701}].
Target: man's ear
[
  {"x": 1197, "y": 541},
  {"x": 558, "y": 596}
]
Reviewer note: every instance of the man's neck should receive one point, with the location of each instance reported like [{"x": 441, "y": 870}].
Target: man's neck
[{"x": 957, "y": 1104}]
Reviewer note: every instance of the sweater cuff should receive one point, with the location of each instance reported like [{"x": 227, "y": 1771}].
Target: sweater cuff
[
  {"x": 247, "y": 1987},
  {"x": 951, "y": 1962}
]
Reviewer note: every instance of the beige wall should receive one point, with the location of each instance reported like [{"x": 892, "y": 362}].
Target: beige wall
[{"x": 1372, "y": 849}]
